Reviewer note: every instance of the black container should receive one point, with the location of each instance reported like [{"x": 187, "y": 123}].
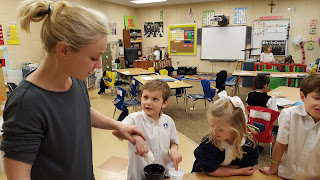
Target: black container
[
  {"x": 187, "y": 70},
  {"x": 154, "y": 172}
]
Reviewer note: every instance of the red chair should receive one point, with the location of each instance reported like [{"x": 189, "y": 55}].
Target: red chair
[{"x": 263, "y": 118}]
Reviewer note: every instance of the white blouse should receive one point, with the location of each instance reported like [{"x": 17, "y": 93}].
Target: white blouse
[
  {"x": 302, "y": 134},
  {"x": 266, "y": 57}
]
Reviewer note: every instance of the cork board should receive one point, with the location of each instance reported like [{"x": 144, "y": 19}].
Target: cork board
[{"x": 182, "y": 39}]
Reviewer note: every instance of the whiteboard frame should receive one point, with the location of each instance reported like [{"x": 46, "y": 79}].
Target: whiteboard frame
[
  {"x": 258, "y": 51},
  {"x": 213, "y": 58}
]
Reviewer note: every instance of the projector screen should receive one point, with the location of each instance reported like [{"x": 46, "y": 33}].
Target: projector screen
[{"x": 223, "y": 43}]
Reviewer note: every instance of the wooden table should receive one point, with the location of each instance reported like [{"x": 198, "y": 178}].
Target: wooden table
[
  {"x": 288, "y": 75},
  {"x": 130, "y": 72},
  {"x": 173, "y": 85},
  {"x": 290, "y": 93},
  {"x": 256, "y": 176}
]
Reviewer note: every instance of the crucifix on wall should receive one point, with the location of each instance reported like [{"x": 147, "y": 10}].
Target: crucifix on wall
[{"x": 271, "y": 5}]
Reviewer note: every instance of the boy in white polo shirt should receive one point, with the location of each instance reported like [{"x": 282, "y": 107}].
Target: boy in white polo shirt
[
  {"x": 296, "y": 152},
  {"x": 158, "y": 128}
]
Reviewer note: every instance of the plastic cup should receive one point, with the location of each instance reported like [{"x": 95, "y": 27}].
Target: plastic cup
[
  {"x": 154, "y": 172},
  {"x": 176, "y": 175}
]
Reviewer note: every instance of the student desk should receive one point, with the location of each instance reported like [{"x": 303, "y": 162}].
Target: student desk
[
  {"x": 288, "y": 75},
  {"x": 130, "y": 72},
  {"x": 257, "y": 175},
  {"x": 290, "y": 93},
  {"x": 173, "y": 85}
]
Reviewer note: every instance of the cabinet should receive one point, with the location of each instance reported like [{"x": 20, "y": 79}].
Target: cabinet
[{"x": 133, "y": 38}]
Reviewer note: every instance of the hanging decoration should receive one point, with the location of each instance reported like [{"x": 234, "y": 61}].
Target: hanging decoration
[
  {"x": 299, "y": 40},
  {"x": 310, "y": 44},
  {"x": 190, "y": 15},
  {"x": 313, "y": 26}
]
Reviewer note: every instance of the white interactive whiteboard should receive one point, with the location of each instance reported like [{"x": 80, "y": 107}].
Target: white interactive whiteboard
[
  {"x": 223, "y": 43},
  {"x": 272, "y": 31}
]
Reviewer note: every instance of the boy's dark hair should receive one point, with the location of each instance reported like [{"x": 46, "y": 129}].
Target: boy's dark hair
[
  {"x": 310, "y": 84},
  {"x": 260, "y": 80},
  {"x": 160, "y": 85}
]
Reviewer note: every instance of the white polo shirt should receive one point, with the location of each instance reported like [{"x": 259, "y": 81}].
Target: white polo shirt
[
  {"x": 159, "y": 136},
  {"x": 302, "y": 134},
  {"x": 266, "y": 57}
]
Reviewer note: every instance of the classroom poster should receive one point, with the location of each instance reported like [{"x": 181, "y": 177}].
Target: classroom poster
[
  {"x": 206, "y": 18},
  {"x": 130, "y": 22},
  {"x": 12, "y": 34},
  {"x": 1, "y": 36},
  {"x": 153, "y": 29},
  {"x": 5, "y": 60},
  {"x": 112, "y": 28},
  {"x": 189, "y": 36},
  {"x": 240, "y": 15}
]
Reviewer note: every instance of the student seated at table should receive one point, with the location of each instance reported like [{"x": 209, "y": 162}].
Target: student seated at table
[
  {"x": 158, "y": 128},
  {"x": 296, "y": 152},
  {"x": 266, "y": 55},
  {"x": 227, "y": 149},
  {"x": 259, "y": 97}
]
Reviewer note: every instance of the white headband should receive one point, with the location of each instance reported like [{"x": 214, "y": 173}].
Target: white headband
[{"x": 236, "y": 101}]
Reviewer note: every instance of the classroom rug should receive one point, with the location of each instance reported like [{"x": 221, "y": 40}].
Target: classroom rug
[{"x": 200, "y": 77}]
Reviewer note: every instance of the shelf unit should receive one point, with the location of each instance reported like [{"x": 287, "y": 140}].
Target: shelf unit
[{"x": 133, "y": 38}]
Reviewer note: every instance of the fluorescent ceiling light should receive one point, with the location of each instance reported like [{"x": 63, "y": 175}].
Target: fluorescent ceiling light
[{"x": 147, "y": 1}]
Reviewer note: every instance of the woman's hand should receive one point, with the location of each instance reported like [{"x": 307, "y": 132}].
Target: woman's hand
[{"x": 126, "y": 132}]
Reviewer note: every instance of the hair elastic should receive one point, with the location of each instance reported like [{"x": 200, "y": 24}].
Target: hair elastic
[{"x": 48, "y": 9}]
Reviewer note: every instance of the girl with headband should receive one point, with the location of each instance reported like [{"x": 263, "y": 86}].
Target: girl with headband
[{"x": 227, "y": 149}]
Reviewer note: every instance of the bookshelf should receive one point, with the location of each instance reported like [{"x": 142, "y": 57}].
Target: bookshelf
[{"x": 133, "y": 38}]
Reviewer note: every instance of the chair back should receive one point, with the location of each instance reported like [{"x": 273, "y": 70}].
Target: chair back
[
  {"x": 163, "y": 72},
  {"x": 119, "y": 101},
  {"x": 133, "y": 87},
  {"x": 209, "y": 93},
  {"x": 110, "y": 78},
  {"x": 130, "y": 54},
  {"x": 221, "y": 80},
  {"x": 170, "y": 69},
  {"x": 263, "y": 118},
  {"x": 151, "y": 69}
]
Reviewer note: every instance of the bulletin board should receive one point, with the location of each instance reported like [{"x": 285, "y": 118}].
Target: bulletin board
[
  {"x": 182, "y": 39},
  {"x": 270, "y": 31}
]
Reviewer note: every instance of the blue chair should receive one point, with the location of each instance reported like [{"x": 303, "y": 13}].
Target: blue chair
[
  {"x": 120, "y": 103},
  {"x": 208, "y": 95},
  {"x": 133, "y": 89}
]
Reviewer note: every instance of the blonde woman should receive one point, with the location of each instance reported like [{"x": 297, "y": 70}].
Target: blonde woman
[
  {"x": 48, "y": 118},
  {"x": 227, "y": 149},
  {"x": 266, "y": 55}
]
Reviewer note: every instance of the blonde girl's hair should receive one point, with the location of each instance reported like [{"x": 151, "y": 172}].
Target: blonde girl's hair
[
  {"x": 75, "y": 25},
  {"x": 266, "y": 47},
  {"x": 223, "y": 111}
]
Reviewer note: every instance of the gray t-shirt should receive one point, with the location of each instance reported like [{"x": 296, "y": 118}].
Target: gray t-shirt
[{"x": 49, "y": 130}]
